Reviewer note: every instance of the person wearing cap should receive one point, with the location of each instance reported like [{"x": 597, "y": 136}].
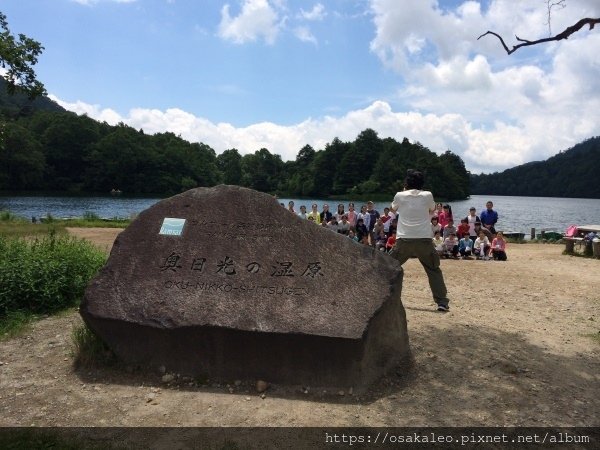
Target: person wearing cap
[
  {"x": 413, "y": 235},
  {"x": 479, "y": 229}
]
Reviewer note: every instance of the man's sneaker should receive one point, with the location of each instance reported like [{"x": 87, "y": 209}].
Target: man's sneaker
[{"x": 444, "y": 308}]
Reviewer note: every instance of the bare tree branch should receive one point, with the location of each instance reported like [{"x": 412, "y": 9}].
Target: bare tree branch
[
  {"x": 560, "y": 36},
  {"x": 561, "y": 4}
]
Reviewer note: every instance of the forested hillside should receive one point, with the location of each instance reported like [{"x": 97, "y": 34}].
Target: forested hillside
[
  {"x": 45, "y": 148},
  {"x": 572, "y": 173}
]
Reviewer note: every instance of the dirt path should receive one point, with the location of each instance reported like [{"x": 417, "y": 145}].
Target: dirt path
[{"x": 520, "y": 347}]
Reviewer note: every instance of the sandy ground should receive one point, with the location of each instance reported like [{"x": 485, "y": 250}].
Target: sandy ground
[{"x": 519, "y": 347}]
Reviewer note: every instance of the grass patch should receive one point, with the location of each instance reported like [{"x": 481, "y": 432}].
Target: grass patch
[
  {"x": 7, "y": 216},
  {"x": 24, "y": 229},
  {"x": 594, "y": 337},
  {"x": 43, "y": 276},
  {"x": 97, "y": 222},
  {"x": 27, "y": 229},
  {"x": 90, "y": 349},
  {"x": 15, "y": 323},
  {"x": 12, "y": 225}
]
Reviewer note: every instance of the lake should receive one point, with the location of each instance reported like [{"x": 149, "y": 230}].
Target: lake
[{"x": 516, "y": 213}]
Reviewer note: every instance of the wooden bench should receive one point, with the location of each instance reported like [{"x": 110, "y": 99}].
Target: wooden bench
[{"x": 570, "y": 243}]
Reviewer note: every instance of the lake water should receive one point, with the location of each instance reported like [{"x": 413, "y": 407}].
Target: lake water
[{"x": 516, "y": 213}]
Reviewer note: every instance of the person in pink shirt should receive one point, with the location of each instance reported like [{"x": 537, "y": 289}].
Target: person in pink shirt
[
  {"x": 444, "y": 216},
  {"x": 352, "y": 216},
  {"x": 498, "y": 250}
]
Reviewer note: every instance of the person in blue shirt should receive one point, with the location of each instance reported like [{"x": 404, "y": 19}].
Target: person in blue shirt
[
  {"x": 489, "y": 217},
  {"x": 465, "y": 247}
]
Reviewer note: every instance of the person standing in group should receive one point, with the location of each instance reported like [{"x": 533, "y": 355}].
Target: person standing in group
[
  {"x": 445, "y": 216},
  {"x": 326, "y": 215},
  {"x": 352, "y": 216},
  {"x": 413, "y": 236},
  {"x": 365, "y": 216},
  {"x": 291, "y": 207},
  {"x": 302, "y": 214},
  {"x": 374, "y": 216},
  {"x": 471, "y": 219},
  {"x": 489, "y": 217},
  {"x": 387, "y": 218},
  {"x": 314, "y": 214},
  {"x": 340, "y": 212}
]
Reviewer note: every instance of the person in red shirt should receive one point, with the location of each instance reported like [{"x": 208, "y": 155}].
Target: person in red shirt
[
  {"x": 463, "y": 229},
  {"x": 390, "y": 242}
]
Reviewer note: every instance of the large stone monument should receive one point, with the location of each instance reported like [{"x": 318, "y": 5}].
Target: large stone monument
[{"x": 224, "y": 282}]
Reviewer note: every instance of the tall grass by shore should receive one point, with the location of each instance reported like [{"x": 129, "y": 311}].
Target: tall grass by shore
[
  {"x": 43, "y": 276},
  {"x": 12, "y": 225}
]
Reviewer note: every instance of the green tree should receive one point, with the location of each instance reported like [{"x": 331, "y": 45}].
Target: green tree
[
  {"x": 67, "y": 139},
  {"x": 21, "y": 160},
  {"x": 356, "y": 165},
  {"x": 18, "y": 56},
  {"x": 230, "y": 164},
  {"x": 262, "y": 170}
]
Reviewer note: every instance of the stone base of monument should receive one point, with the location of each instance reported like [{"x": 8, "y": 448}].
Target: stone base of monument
[
  {"x": 221, "y": 353},
  {"x": 257, "y": 293}
]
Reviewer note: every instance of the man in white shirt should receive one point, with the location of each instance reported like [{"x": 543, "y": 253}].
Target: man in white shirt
[{"x": 413, "y": 236}]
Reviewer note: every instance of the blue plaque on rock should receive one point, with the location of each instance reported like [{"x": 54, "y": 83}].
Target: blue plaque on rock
[{"x": 172, "y": 227}]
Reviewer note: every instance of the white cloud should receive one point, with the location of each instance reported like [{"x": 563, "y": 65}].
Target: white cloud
[
  {"x": 316, "y": 13},
  {"x": 305, "y": 35},
  {"x": 454, "y": 92},
  {"x": 483, "y": 148},
  {"x": 517, "y": 108},
  {"x": 107, "y": 115},
  {"x": 257, "y": 19}
]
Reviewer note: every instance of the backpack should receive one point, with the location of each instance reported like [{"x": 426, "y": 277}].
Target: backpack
[{"x": 571, "y": 231}]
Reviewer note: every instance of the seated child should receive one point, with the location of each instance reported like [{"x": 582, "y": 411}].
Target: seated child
[
  {"x": 463, "y": 229},
  {"x": 361, "y": 232},
  {"x": 333, "y": 224},
  {"x": 482, "y": 246},
  {"x": 343, "y": 226},
  {"x": 380, "y": 241},
  {"x": 465, "y": 246},
  {"x": 449, "y": 229},
  {"x": 389, "y": 245},
  {"x": 498, "y": 251},
  {"x": 438, "y": 243},
  {"x": 435, "y": 226},
  {"x": 352, "y": 236},
  {"x": 451, "y": 246}
]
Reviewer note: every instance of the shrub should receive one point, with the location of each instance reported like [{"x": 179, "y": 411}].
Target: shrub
[
  {"x": 45, "y": 275},
  {"x": 90, "y": 350},
  {"x": 90, "y": 216},
  {"x": 14, "y": 322},
  {"x": 7, "y": 216}
]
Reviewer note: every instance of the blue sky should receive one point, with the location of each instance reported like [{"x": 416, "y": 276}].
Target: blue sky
[{"x": 280, "y": 74}]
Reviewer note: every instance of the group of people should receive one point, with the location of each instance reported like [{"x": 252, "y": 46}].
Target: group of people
[
  {"x": 367, "y": 226},
  {"x": 475, "y": 236},
  {"x": 415, "y": 227}
]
